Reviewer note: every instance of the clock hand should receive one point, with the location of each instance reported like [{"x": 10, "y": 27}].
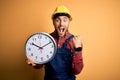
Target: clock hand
[
  {"x": 46, "y": 44},
  {"x": 37, "y": 46}
]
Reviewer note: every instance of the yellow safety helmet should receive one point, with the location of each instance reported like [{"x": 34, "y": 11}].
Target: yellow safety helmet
[{"x": 62, "y": 9}]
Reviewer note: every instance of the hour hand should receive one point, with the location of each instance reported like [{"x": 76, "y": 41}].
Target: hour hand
[{"x": 37, "y": 46}]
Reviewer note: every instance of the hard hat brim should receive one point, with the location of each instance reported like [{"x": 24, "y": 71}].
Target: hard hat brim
[{"x": 54, "y": 16}]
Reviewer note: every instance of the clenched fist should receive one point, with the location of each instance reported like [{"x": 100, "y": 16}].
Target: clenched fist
[{"x": 77, "y": 41}]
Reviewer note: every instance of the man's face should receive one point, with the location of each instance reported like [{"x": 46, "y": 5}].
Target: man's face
[{"x": 61, "y": 24}]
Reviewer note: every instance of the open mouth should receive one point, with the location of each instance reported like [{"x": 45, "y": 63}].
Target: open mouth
[{"x": 61, "y": 29}]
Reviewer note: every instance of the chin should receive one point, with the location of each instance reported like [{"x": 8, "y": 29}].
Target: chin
[{"x": 61, "y": 35}]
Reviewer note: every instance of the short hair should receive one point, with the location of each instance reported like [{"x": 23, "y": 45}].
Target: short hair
[{"x": 60, "y": 14}]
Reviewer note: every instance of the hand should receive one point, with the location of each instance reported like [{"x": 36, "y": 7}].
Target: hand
[
  {"x": 37, "y": 46},
  {"x": 77, "y": 41},
  {"x": 30, "y": 61}
]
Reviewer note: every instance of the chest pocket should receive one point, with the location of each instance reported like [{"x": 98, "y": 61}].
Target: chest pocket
[{"x": 65, "y": 55}]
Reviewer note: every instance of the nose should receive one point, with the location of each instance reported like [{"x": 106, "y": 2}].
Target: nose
[{"x": 61, "y": 23}]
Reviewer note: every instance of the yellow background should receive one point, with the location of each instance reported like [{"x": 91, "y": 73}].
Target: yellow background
[{"x": 97, "y": 21}]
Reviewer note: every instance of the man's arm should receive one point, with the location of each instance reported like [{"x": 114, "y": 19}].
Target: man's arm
[
  {"x": 77, "y": 54},
  {"x": 77, "y": 62}
]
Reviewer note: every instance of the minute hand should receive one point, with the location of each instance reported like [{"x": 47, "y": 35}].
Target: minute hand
[{"x": 46, "y": 44}]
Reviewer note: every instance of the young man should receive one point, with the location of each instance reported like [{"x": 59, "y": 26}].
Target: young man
[{"x": 68, "y": 60}]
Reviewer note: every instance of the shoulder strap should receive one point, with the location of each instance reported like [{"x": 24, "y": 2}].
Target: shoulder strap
[
  {"x": 70, "y": 37},
  {"x": 67, "y": 40}
]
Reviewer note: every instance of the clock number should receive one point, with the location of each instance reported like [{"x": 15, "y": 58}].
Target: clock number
[
  {"x": 51, "y": 46},
  {"x": 50, "y": 52},
  {"x": 39, "y": 37},
  {"x": 41, "y": 58},
  {"x": 36, "y": 57},
  {"x": 34, "y": 39},
  {"x": 29, "y": 49},
  {"x": 47, "y": 56},
  {"x": 30, "y": 43},
  {"x": 49, "y": 40},
  {"x": 31, "y": 54}
]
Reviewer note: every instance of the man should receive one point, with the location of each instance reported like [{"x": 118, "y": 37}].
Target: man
[{"x": 68, "y": 60}]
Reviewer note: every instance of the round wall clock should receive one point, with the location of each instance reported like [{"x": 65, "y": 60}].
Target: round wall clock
[{"x": 40, "y": 47}]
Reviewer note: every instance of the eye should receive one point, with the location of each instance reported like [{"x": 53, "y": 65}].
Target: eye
[
  {"x": 65, "y": 19},
  {"x": 57, "y": 20}
]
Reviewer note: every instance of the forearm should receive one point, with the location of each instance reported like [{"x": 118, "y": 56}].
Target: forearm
[
  {"x": 77, "y": 62},
  {"x": 38, "y": 66}
]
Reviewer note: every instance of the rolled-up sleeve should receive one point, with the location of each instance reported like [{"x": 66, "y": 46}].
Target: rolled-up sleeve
[{"x": 78, "y": 62}]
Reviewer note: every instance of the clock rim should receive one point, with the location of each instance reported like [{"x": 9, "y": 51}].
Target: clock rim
[{"x": 55, "y": 46}]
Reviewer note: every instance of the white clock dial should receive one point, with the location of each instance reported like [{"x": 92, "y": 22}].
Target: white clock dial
[{"x": 41, "y": 47}]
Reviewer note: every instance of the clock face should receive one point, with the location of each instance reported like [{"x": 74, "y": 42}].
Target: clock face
[{"x": 40, "y": 47}]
